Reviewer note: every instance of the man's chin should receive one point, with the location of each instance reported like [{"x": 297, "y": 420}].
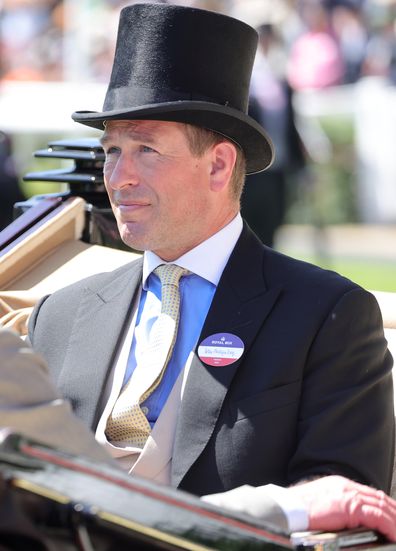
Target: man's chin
[
  {"x": 133, "y": 244},
  {"x": 132, "y": 240}
]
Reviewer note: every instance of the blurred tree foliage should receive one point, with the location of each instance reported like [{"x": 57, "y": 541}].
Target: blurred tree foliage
[{"x": 326, "y": 192}]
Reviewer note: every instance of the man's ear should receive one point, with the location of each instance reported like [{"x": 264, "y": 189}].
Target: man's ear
[{"x": 223, "y": 161}]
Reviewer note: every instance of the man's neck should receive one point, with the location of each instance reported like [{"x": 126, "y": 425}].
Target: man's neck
[{"x": 206, "y": 259}]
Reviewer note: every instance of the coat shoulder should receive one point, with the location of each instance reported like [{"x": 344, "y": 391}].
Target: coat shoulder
[
  {"x": 65, "y": 301},
  {"x": 99, "y": 281},
  {"x": 295, "y": 273}
]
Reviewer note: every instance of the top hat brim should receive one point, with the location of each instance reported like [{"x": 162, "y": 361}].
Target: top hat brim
[{"x": 227, "y": 121}]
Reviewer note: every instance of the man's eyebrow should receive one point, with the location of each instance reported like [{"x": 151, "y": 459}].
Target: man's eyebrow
[
  {"x": 103, "y": 140},
  {"x": 134, "y": 134}
]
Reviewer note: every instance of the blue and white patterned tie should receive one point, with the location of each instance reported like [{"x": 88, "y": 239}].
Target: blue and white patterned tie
[{"x": 127, "y": 424}]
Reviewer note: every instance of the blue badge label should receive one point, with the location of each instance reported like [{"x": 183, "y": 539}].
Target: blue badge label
[{"x": 221, "y": 349}]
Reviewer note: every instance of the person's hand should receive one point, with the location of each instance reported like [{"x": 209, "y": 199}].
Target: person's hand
[{"x": 335, "y": 503}]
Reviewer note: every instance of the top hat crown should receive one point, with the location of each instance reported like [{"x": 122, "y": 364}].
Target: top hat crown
[{"x": 183, "y": 64}]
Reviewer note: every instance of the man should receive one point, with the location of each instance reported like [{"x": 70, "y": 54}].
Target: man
[
  {"x": 279, "y": 371},
  {"x": 329, "y": 503}
]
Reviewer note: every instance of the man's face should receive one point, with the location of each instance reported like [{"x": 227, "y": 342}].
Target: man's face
[{"x": 161, "y": 194}]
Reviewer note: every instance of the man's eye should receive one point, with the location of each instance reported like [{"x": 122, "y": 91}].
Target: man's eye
[
  {"x": 112, "y": 151},
  {"x": 146, "y": 149}
]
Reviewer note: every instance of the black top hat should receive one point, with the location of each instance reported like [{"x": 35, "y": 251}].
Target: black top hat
[{"x": 183, "y": 64}]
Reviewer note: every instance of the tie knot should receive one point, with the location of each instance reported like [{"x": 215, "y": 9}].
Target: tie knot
[{"x": 170, "y": 274}]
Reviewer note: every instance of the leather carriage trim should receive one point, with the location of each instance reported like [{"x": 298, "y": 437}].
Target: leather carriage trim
[{"x": 64, "y": 462}]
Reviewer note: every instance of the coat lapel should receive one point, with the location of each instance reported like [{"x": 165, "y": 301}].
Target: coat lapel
[
  {"x": 98, "y": 328},
  {"x": 240, "y": 306}
]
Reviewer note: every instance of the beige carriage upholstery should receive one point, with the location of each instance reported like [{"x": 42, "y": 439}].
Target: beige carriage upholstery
[{"x": 47, "y": 257}]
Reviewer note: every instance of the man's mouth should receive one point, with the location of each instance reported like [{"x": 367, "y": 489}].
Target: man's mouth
[{"x": 131, "y": 207}]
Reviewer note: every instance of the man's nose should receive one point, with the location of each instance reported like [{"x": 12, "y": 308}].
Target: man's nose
[{"x": 122, "y": 173}]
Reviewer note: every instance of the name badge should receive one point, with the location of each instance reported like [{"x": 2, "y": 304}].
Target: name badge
[{"x": 221, "y": 349}]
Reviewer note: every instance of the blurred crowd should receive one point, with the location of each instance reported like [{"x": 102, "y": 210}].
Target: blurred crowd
[{"x": 319, "y": 42}]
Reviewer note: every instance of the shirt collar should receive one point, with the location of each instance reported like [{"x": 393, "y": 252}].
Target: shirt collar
[{"x": 207, "y": 260}]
